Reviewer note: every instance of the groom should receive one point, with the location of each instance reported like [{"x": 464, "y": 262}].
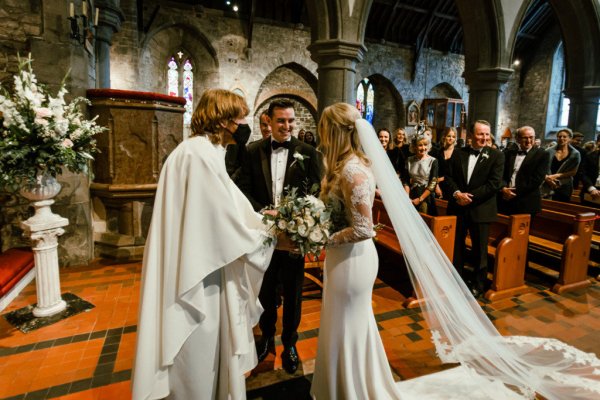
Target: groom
[{"x": 268, "y": 169}]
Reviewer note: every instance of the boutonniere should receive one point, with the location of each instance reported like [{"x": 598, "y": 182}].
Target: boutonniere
[
  {"x": 484, "y": 156},
  {"x": 299, "y": 158}
]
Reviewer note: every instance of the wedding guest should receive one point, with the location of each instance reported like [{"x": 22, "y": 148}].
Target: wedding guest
[
  {"x": 264, "y": 185},
  {"x": 448, "y": 145},
  {"x": 265, "y": 128},
  {"x": 401, "y": 142},
  {"x": 474, "y": 178},
  {"x": 590, "y": 177},
  {"x": 564, "y": 161},
  {"x": 309, "y": 138},
  {"x": 435, "y": 150},
  {"x": 588, "y": 147},
  {"x": 537, "y": 142},
  {"x": 194, "y": 286},
  {"x": 422, "y": 174},
  {"x": 394, "y": 154},
  {"x": 576, "y": 142},
  {"x": 301, "y": 134},
  {"x": 524, "y": 172}
]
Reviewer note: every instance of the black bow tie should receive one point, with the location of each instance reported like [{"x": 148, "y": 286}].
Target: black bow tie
[
  {"x": 522, "y": 152},
  {"x": 474, "y": 152},
  {"x": 275, "y": 145}
]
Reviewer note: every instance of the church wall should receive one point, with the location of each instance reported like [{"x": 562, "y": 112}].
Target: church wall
[{"x": 42, "y": 29}]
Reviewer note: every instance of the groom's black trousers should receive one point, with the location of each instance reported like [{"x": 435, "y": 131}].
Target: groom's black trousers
[{"x": 289, "y": 271}]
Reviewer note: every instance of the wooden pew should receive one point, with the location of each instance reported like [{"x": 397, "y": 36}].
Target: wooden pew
[
  {"x": 507, "y": 245},
  {"x": 566, "y": 237},
  {"x": 574, "y": 209},
  {"x": 442, "y": 227}
]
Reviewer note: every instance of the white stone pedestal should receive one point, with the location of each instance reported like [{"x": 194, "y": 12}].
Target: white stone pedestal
[{"x": 44, "y": 228}]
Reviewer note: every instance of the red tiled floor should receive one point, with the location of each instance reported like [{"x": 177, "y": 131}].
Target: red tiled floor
[{"x": 100, "y": 367}]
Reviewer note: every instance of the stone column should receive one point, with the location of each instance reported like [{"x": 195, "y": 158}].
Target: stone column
[
  {"x": 583, "y": 112},
  {"x": 485, "y": 86},
  {"x": 109, "y": 23},
  {"x": 337, "y": 70},
  {"x": 44, "y": 228}
]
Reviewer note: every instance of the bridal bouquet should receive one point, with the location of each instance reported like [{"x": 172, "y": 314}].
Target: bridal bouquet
[
  {"x": 41, "y": 134},
  {"x": 306, "y": 220}
]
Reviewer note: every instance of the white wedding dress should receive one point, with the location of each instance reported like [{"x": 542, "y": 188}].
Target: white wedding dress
[{"x": 351, "y": 361}]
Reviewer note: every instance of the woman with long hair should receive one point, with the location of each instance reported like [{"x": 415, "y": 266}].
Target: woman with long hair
[
  {"x": 352, "y": 365},
  {"x": 449, "y": 141},
  {"x": 564, "y": 162}
]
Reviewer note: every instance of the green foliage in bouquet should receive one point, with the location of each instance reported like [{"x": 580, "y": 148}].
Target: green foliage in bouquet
[
  {"x": 41, "y": 134},
  {"x": 306, "y": 220}
]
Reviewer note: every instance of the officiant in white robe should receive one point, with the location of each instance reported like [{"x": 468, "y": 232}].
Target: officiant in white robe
[{"x": 203, "y": 265}]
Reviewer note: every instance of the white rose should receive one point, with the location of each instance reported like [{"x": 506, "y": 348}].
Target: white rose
[
  {"x": 316, "y": 235},
  {"x": 281, "y": 224},
  {"x": 41, "y": 121},
  {"x": 298, "y": 156},
  {"x": 291, "y": 227},
  {"x": 67, "y": 143},
  {"x": 302, "y": 230},
  {"x": 309, "y": 221}
]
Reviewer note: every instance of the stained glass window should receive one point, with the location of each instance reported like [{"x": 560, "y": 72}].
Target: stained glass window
[
  {"x": 173, "y": 78},
  {"x": 365, "y": 103},
  {"x": 180, "y": 82},
  {"x": 188, "y": 91}
]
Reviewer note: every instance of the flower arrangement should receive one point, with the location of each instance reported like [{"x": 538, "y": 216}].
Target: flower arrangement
[
  {"x": 299, "y": 158},
  {"x": 41, "y": 134},
  {"x": 306, "y": 220}
]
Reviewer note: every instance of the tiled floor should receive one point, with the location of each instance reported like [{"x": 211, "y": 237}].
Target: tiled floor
[{"x": 89, "y": 355}]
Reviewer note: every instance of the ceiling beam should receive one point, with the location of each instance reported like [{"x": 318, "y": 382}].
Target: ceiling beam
[{"x": 420, "y": 10}]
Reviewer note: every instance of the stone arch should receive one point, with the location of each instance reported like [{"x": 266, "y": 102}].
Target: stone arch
[
  {"x": 166, "y": 39},
  {"x": 389, "y": 111},
  {"x": 444, "y": 90},
  {"x": 294, "y": 82}
]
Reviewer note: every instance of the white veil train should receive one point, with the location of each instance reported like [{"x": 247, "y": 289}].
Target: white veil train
[{"x": 460, "y": 329}]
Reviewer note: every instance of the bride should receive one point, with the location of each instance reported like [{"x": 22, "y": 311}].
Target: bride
[{"x": 351, "y": 362}]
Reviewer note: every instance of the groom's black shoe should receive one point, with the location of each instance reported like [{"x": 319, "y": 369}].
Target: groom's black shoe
[
  {"x": 289, "y": 359},
  {"x": 264, "y": 346}
]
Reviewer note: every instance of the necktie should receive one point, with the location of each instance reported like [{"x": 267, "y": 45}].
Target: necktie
[{"x": 275, "y": 145}]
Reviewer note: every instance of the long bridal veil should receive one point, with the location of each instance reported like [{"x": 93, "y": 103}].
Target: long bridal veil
[{"x": 460, "y": 329}]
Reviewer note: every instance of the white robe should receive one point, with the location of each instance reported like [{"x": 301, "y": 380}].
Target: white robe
[{"x": 203, "y": 265}]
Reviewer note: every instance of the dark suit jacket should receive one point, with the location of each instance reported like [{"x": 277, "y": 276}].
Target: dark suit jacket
[
  {"x": 589, "y": 170},
  {"x": 527, "y": 183},
  {"x": 485, "y": 182},
  {"x": 255, "y": 178}
]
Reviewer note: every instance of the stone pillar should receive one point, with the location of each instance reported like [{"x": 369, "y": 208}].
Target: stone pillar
[
  {"x": 583, "y": 112},
  {"x": 44, "y": 228},
  {"x": 337, "y": 70},
  {"x": 485, "y": 86},
  {"x": 109, "y": 23}
]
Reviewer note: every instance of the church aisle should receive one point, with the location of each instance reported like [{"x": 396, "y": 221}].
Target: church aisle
[{"x": 90, "y": 355}]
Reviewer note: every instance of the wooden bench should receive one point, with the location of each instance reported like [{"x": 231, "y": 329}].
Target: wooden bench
[
  {"x": 442, "y": 227},
  {"x": 507, "y": 245},
  {"x": 567, "y": 237},
  {"x": 574, "y": 209}
]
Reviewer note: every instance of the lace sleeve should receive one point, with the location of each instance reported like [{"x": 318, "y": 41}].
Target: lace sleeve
[{"x": 357, "y": 190}]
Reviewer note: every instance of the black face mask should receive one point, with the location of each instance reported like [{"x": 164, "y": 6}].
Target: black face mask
[{"x": 241, "y": 134}]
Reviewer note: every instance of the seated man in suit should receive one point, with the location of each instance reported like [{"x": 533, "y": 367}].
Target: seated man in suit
[
  {"x": 590, "y": 177},
  {"x": 474, "y": 177},
  {"x": 524, "y": 171}
]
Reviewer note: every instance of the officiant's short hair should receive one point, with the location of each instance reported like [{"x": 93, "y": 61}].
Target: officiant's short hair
[
  {"x": 282, "y": 103},
  {"x": 214, "y": 107}
]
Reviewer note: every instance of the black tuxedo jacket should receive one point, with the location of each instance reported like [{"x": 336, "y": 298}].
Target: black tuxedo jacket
[
  {"x": 485, "y": 182},
  {"x": 527, "y": 182},
  {"x": 589, "y": 170},
  {"x": 255, "y": 178}
]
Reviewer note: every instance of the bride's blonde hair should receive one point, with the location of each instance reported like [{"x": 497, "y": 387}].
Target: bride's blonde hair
[{"x": 339, "y": 141}]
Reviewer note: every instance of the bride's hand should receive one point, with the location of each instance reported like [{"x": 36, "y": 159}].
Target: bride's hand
[{"x": 272, "y": 213}]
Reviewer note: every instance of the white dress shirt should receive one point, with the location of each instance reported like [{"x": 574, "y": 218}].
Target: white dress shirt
[
  {"x": 278, "y": 163},
  {"x": 518, "y": 161},
  {"x": 471, "y": 166}
]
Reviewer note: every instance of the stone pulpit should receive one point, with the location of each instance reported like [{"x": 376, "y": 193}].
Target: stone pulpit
[{"x": 143, "y": 129}]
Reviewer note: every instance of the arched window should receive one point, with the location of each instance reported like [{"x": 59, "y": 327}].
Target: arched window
[
  {"x": 180, "y": 82},
  {"x": 365, "y": 95}
]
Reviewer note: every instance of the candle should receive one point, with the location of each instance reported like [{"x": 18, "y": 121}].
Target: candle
[
  {"x": 71, "y": 10},
  {"x": 96, "y": 15},
  {"x": 84, "y": 9}
]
